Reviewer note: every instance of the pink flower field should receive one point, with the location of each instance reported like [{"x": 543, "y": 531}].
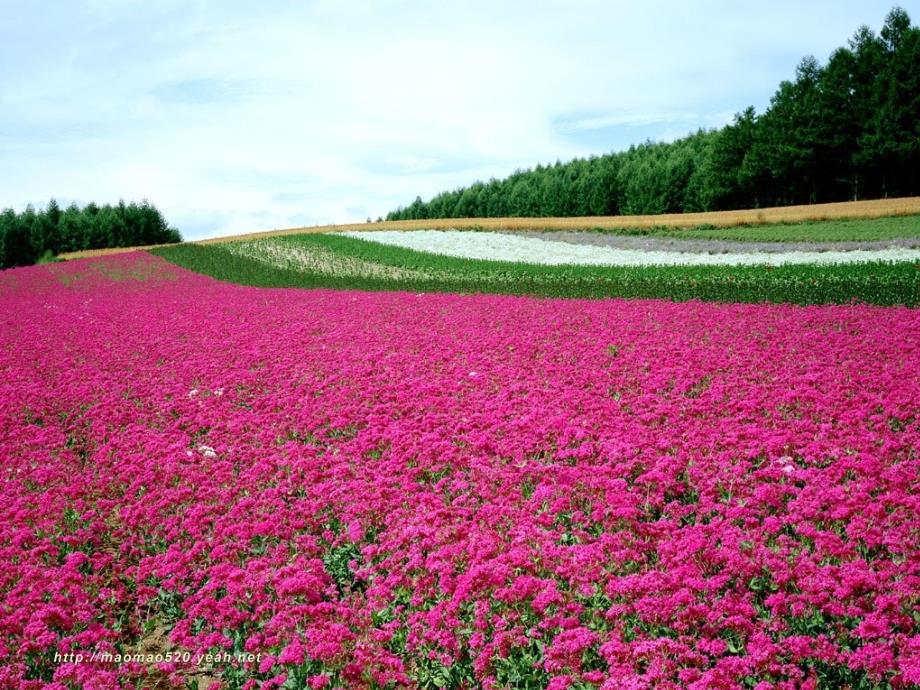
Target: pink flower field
[{"x": 388, "y": 490}]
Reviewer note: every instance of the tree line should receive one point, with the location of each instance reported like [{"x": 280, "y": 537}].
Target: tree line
[
  {"x": 847, "y": 130},
  {"x": 34, "y": 235}
]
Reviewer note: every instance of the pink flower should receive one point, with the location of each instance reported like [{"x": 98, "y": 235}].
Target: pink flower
[
  {"x": 732, "y": 496},
  {"x": 292, "y": 654},
  {"x": 559, "y": 683}
]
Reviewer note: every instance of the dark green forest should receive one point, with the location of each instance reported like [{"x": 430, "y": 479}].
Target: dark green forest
[
  {"x": 846, "y": 130},
  {"x": 36, "y": 235}
]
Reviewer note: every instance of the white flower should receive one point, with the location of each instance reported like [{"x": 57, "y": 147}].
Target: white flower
[
  {"x": 207, "y": 451},
  {"x": 498, "y": 246},
  {"x": 219, "y": 392},
  {"x": 192, "y": 393}
]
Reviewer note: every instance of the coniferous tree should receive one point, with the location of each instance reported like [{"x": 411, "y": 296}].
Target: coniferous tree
[
  {"x": 17, "y": 250},
  {"x": 27, "y": 237}
]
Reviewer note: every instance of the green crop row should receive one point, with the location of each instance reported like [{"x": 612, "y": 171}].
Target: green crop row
[
  {"x": 333, "y": 261},
  {"x": 848, "y": 230}
]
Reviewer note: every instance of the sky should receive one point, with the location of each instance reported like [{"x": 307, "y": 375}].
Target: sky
[{"x": 235, "y": 116}]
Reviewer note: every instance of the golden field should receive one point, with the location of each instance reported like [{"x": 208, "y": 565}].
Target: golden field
[
  {"x": 103, "y": 252},
  {"x": 877, "y": 208}
]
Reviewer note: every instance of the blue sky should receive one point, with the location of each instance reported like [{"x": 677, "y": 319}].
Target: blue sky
[{"x": 237, "y": 116}]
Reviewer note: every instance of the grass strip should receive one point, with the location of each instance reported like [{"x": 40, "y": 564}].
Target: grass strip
[{"x": 850, "y": 230}]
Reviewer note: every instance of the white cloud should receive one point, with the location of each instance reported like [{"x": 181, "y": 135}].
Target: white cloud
[{"x": 236, "y": 116}]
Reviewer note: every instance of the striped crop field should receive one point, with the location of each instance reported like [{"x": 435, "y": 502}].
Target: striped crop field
[
  {"x": 354, "y": 490},
  {"x": 409, "y": 464},
  {"x": 881, "y": 229},
  {"x": 897, "y": 218},
  {"x": 573, "y": 264},
  {"x": 550, "y": 449}
]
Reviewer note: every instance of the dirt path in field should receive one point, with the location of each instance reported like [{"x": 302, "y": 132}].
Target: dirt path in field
[{"x": 705, "y": 246}]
